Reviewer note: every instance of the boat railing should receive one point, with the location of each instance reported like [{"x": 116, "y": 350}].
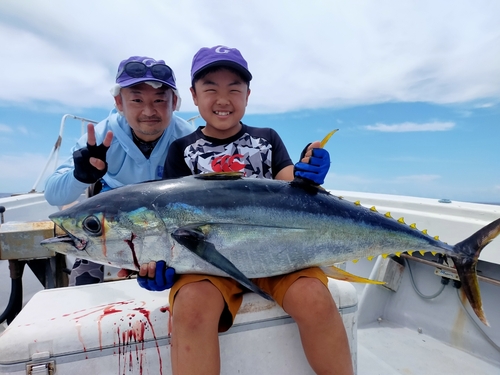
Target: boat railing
[{"x": 54, "y": 153}]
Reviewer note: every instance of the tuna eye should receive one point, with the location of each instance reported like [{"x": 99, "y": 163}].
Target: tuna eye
[{"x": 92, "y": 225}]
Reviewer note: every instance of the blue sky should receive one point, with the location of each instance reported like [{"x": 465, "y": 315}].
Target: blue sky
[{"x": 412, "y": 86}]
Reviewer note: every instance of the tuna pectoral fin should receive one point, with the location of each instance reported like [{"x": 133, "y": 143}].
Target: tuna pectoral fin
[
  {"x": 194, "y": 241},
  {"x": 339, "y": 274},
  {"x": 468, "y": 253}
]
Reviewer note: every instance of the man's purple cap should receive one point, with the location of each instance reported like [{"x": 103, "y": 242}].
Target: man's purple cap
[
  {"x": 124, "y": 80},
  {"x": 220, "y": 56}
]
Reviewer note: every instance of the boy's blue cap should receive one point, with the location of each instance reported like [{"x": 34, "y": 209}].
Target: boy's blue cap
[{"x": 220, "y": 56}]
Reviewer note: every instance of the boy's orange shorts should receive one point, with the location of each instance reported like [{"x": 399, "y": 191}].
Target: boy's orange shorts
[{"x": 232, "y": 291}]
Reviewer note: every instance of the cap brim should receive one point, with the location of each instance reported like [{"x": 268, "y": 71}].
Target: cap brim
[
  {"x": 224, "y": 63},
  {"x": 135, "y": 81}
]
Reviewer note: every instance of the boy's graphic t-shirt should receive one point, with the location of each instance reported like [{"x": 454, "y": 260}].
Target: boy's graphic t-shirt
[{"x": 256, "y": 152}]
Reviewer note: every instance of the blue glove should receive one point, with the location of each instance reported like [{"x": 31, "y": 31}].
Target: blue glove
[
  {"x": 317, "y": 168},
  {"x": 164, "y": 278}
]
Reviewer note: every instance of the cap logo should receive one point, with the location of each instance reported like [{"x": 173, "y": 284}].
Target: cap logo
[
  {"x": 222, "y": 49},
  {"x": 219, "y": 56},
  {"x": 149, "y": 62}
]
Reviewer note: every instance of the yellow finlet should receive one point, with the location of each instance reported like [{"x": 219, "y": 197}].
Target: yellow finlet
[
  {"x": 436, "y": 238},
  {"x": 422, "y": 252},
  {"x": 385, "y": 255},
  {"x": 370, "y": 257},
  {"x": 388, "y": 214},
  {"x": 413, "y": 226},
  {"x": 410, "y": 252},
  {"x": 372, "y": 208},
  {"x": 327, "y": 138},
  {"x": 355, "y": 260},
  {"x": 424, "y": 231},
  {"x": 398, "y": 253},
  {"x": 401, "y": 220},
  {"x": 434, "y": 252},
  {"x": 339, "y": 274},
  {"x": 357, "y": 203}
]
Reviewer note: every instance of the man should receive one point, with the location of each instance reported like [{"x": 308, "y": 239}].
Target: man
[{"x": 129, "y": 146}]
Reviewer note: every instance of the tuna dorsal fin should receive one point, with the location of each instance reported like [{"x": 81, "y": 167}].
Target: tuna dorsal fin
[
  {"x": 220, "y": 176},
  {"x": 194, "y": 240},
  {"x": 327, "y": 137},
  {"x": 339, "y": 274}
]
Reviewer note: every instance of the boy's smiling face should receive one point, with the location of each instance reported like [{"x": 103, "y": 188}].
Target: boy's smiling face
[{"x": 221, "y": 97}]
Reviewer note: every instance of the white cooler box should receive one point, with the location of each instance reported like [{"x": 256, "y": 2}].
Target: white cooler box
[{"x": 119, "y": 328}]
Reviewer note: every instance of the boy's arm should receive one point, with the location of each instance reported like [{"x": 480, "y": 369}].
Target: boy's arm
[
  {"x": 286, "y": 174},
  {"x": 175, "y": 166},
  {"x": 314, "y": 164},
  {"x": 156, "y": 276}
]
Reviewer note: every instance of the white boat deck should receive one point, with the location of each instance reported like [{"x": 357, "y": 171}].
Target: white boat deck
[
  {"x": 383, "y": 347},
  {"x": 388, "y": 349}
]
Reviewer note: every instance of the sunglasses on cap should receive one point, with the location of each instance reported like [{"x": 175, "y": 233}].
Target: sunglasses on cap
[{"x": 136, "y": 69}]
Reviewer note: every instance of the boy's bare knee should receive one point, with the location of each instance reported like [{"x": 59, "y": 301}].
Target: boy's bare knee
[
  {"x": 308, "y": 297},
  {"x": 197, "y": 304}
]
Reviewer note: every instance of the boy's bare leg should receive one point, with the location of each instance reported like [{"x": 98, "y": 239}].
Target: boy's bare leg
[
  {"x": 321, "y": 328},
  {"x": 195, "y": 321}
]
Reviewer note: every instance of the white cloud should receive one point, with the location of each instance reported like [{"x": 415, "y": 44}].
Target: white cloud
[
  {"x": 485, "y": 105},
  {"x": 302, "y": 54},
  {"x": 5, "y": 129},
  {"x": 412, "y": 127}
]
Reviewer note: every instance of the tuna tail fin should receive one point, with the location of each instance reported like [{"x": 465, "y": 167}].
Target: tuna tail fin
[{"x": 466, "y": 262}]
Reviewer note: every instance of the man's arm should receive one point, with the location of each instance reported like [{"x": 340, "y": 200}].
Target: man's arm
[
  {"x": 63, "y": 187},
  {"x": 97, "y": 163}
]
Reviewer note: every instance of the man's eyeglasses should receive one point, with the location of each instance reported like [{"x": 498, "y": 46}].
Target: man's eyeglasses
[{"x": 139, "y": 69}]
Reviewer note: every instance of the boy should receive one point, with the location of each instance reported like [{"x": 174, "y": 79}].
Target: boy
[{"x": 205, "y": 305}]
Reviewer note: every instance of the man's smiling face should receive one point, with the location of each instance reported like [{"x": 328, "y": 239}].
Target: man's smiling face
[{"x": 147, "y": 110}]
